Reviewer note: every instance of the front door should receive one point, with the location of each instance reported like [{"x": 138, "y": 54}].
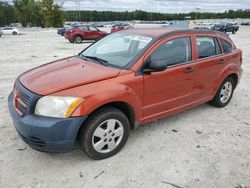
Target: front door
[{"x": 171, "y": 90}]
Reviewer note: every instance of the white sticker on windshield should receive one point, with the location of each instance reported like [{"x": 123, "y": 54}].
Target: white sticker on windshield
[{"x": 142, "y": 38}]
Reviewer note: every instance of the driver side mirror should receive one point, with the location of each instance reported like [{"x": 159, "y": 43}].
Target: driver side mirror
[{"x": 154, "y": 66}]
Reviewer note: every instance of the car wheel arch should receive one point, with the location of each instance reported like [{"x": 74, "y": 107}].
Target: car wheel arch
[
  {"x": 124, "y": 107},
  {"x": 223, "y": 77}
]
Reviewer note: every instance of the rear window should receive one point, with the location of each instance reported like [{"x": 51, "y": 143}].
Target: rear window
[
  {"x": 227, "y": 47},
  {"x": 207, "y": 47}
]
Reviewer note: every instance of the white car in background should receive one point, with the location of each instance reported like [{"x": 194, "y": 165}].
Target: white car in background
[
  {"x": 207, "y": 24},
  {"x": 10, "y": 31},
  {"x": 108, "y": 25}
]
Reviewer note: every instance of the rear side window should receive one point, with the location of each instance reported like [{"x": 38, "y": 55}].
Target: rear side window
[
  {"x": 227, "y": 47},
  {"x": 207, "y": 47},
  {"x": 173, "y": 52},
  {"x": 85, "y": 28},
  {"x": 92, "y": 28}
]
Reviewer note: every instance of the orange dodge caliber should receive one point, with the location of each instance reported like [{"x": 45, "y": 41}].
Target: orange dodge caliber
[{"x": 126, "y": 79}]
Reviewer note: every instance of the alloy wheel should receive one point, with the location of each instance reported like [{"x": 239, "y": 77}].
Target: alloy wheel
[
  {"x": 226, "y": 92},
  {"x": 107, "y": 136}
]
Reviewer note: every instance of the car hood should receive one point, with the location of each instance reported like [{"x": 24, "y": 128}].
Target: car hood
[{"x": 64, "y": 74}]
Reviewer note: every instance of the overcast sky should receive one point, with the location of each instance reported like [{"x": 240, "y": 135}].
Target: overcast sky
[{"x": 156, "y": 5}]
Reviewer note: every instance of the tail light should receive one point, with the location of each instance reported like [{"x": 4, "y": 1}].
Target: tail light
[{"x": 241, "y": 58}]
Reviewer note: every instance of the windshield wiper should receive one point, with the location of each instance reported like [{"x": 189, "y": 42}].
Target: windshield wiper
[{"x": 99, "y": 60}]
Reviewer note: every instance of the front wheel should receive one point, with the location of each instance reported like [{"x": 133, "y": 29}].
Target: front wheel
[
  {"x": 14, "y": 33},
  {"x": 105, "y": 133},
  {"x": 224, "y": 93}
]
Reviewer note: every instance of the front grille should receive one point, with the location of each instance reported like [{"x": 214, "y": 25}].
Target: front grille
[
  {"x": 24, "y": 100},
  {"x": 21, "y": 100}
]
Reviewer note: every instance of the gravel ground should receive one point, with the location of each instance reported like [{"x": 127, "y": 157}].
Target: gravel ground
[{"x": 202, "y": 147}]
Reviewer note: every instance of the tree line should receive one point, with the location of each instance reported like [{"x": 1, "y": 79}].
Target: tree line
[
  {"x": 47, "y": 14},
  {"x": 150, "y": 16},
  {"x": 31, "y": 13}
]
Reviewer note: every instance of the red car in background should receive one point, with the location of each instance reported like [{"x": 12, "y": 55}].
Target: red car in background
[
  {"x": 84, "y": 32},
  {"x": 120, "y": 27}
]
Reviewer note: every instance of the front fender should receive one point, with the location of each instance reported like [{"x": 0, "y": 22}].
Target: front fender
[{"x": 96, "y": 96}]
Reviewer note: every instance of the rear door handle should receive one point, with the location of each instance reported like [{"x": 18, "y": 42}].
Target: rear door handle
[
  {"x": 221, "y": 61},
  {"x": 189, "y": 70}
]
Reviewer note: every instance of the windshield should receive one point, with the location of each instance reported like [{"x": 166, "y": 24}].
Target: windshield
[{"x": 117, "y": 49}]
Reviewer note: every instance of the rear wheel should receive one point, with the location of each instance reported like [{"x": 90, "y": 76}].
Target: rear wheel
[
  {"x": 14, "y": 33},
  {"x": 78, "y": 39},
  {"x": 224, "y": 93},
  {"x": 105, "y": 133},
  {"x": 233, "y": 31}
]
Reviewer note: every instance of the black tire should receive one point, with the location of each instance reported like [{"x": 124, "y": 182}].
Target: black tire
[
  {"x": 78, "y": 39},
  {"x": 98, "y": 118},
  {"x": 14, "y": 33},
  {"x": 217, "y": 100},
  {"x": 233, "y": 32}
]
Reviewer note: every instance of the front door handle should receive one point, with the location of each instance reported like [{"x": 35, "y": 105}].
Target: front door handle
[
  {"x": 189, "y": 70},
  {"x": 221, "y": 61}
]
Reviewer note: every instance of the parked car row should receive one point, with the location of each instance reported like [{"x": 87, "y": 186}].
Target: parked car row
[
  {"x": 223, "y": 27},
  {"x": 121, "y": 26},
  {"x": 77, "y": 33},
  {"x": 245, "y": 23},
  {"x": 226, "y": 27}
]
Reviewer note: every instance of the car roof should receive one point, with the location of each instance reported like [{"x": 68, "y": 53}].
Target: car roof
[{"x": 162, "y": 32}]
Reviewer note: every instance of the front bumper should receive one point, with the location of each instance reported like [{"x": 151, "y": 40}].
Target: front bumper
[
  {"x": 69, "y": 37},
  {"x": 45, "y": 133}
]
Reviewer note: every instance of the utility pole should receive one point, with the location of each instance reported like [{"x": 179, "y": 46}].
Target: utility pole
[{"x": 197, "y": 10}]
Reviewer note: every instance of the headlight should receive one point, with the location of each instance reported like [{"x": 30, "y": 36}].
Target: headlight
[{"x": 57, "y": 106}]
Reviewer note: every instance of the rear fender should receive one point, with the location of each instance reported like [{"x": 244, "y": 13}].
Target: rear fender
[{"x": 228, "y": 70}]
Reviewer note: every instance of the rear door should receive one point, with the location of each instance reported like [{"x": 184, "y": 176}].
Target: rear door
[
  {"x": 171, "y": 90},
  {"x": 211, "y": 61},
  {"x": 95, "y": 33},
  {"x": 85, "y": 33}
]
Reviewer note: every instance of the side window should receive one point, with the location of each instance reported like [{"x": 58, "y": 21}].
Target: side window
[
  {"x": 173, "y": 52},
  {"x": 83, "y": 28},
  {"x": 227, "y": 47},
  {"x": 207, "y": 47},
  {"x": 92, "y": 28}
]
